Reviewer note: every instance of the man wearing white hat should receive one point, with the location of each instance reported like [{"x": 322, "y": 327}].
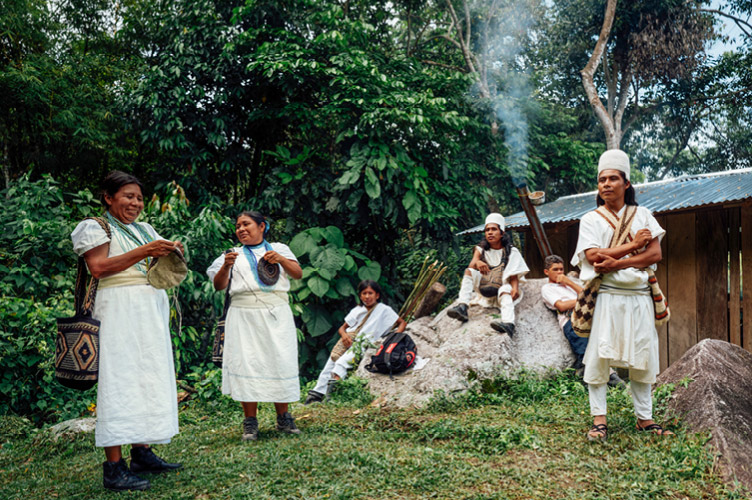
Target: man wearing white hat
[
  {"x": 494, "y": 272},
  {"x": 623, "y": 331}
]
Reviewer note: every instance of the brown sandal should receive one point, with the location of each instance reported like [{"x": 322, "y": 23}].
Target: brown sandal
[
  {"x": 655, "y": 429},
  {"x": 598, "y": 432}
]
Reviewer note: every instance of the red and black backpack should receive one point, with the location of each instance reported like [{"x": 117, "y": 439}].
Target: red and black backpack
[{"x": 396, "y": 354}]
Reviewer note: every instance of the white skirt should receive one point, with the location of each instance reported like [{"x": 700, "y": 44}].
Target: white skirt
[
  {"x": 623, "y": 335},
  {"x": 136, "y": 394},
  {"x": 260, "y": 361}
]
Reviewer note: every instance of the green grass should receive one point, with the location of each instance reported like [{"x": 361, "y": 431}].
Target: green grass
[{"x": 507, "y": 440}]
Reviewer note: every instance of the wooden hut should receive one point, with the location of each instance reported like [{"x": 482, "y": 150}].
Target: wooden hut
[{"x": 706, "y": 271}]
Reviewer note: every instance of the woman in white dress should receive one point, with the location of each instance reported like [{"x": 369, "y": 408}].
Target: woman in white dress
[
  {"x": 260, "y": 360},
  {"x": 136, "y": 393}
]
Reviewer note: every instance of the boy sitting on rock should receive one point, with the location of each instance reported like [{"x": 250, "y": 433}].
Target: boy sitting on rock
[
  {"x": 494, "y": 272},
  {"x": 560, "y": 295}
]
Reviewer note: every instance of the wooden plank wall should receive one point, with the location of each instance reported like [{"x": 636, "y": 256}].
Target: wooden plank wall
[
  {"x": 712, "y": 262},
  {"x": 681, "y": 283},
  {"x": 746, "y": 246},
  {"x": 706, "y": 275},
  {"x": 734, "y": 306}
]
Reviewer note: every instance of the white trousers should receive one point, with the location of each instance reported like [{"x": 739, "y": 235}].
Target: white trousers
[
  {"x": 641, "y": 397},
  {"x": 470, "y": 285},
  {"x": 339, "y": 368}
]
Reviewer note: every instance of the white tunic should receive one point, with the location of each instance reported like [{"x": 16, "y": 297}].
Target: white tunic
[
  {"x": 260, "y": 361},
  {"x": 382, "y": 318},
  {"x": 136, "y": 393},
  {"x": 516, "y": 266},
  {"x": 553, "y": 293},
  {"x": 623, "y": 332}
]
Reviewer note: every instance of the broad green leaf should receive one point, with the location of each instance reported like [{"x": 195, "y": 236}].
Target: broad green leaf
[
  {"x": 371, "y": 271},
  {"x": 412, "y": 206},
  {"x": 373, "y": 188},
  {"x": 318, "y": 285},
  {"x": 334, "y": 235},
  {"x": 317, "y": 321},
  {"x": 302, "y": 243},
  {"x": 331, "y": 259},
  {"x": 345, "y": 287},
  {"x": 325, "y": 273},
  {"x": 350, "y": 264}
]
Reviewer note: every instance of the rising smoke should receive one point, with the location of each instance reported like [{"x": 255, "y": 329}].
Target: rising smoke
[{"x": 506, "y": 25}]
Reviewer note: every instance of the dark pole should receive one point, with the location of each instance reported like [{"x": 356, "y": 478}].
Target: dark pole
[{"x": 535, "y": 225}]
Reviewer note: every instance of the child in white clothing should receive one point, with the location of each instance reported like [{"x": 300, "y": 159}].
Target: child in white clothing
[{"x": 371, "y": 320}]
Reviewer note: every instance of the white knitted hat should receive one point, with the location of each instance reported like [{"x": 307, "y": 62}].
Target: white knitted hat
[
  {"x": 495, "y": 218},
  {"x": 615, "y": 159}
]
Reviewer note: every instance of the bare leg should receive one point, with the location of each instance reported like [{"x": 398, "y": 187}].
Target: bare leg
[
  {"x": 281, "y": 408},
  {"x": 249, "y": 409},
  {"x": 113, "y": 453}
]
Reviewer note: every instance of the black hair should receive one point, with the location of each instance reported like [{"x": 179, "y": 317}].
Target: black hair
[
  {"x": 114, "y": 181},
  {"x": 630, "y": 197},
  {"x": 506, "y": 244},
  {"x": 256, "y": 217},
  {"x": 551, "y": 260},
  {"x": 369, "y": 284}
]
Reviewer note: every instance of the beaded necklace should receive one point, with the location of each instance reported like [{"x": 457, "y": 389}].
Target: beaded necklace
[{"x": 248, "y": 252}]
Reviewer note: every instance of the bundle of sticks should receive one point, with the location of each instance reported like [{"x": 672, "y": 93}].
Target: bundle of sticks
[{"x": 428, "y": 275}]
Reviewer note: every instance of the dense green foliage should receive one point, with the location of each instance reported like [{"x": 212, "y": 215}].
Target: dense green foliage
[{"x": 514, "y": 439}]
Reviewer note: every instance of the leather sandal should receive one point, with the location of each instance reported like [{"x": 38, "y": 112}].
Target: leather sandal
[
  {"x": 598, "y": 432},
  {"x": 654, "y": 429}
]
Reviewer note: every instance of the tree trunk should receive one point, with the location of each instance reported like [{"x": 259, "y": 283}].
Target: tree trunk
[
  {"x": 430, "y": 300},
  {"x": 612, "y": 130}
]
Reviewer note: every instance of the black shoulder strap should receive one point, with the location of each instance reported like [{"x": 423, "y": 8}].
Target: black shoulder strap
[{"x": 227, "y": 291}]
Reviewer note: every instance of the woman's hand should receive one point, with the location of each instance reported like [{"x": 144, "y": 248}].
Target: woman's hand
[
  {"x": 274, "y": 257},
  {"x": 346, "y": 340},
  {"x": 160, "y": 248},
  {"x": 230, "y": 258},
  {"x": 291, "y": 267}
]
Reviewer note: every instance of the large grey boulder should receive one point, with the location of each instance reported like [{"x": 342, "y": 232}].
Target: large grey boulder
[
  {"x": 717, "y": 399},
  {"x": 458, "y": 349}
]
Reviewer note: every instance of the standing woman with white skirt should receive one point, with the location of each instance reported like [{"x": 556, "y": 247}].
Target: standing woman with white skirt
[
  {"x": 260, "y": 360},
  {"x": 136, "y": 393}
]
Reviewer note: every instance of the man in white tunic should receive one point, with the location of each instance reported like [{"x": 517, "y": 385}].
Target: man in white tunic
[
  {"x": 623, "y": 332},
  {"x": 495, "y": 253}
]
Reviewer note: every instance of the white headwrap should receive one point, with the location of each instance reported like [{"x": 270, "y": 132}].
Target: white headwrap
[
  {"x": 615, "y": 159},
  {"x": 495, "y": 218}
]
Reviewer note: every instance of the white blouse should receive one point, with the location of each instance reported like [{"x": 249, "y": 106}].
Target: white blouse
[{"x": 243, "y": 279}]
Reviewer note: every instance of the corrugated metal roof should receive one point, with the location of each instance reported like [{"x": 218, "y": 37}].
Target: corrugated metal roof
[{"x": 660, "y": 197}]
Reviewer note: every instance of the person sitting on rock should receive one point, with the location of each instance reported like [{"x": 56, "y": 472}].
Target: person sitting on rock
[
  {"x": 369, "y": 321},
  {"x": 494, "y": 272},
  {"x": 560, "y": 295}
]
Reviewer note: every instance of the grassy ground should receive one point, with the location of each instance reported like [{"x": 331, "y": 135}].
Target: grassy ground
[{"x": 511, "y": 440}]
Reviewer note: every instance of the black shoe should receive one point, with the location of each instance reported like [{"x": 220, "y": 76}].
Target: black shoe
[
  {"x": 458, "y": 312},
  {"x": 507, "y": 328},
  {"x": 250, "y": 429},
  {"x": 143, "y": 460},
  {"x": 286, "y": 423},
  {"x": 314, "y": 397},
  {"x": 116, "y": 476}
]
